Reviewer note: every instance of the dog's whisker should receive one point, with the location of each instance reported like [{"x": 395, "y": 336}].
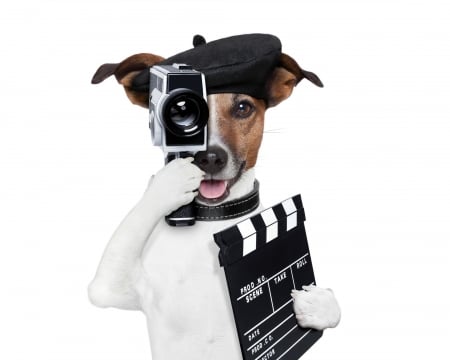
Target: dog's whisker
[{"x": 275, "y": 131}]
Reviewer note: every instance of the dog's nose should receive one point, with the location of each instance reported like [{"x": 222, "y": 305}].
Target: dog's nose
[{"x": 212, "y": 160}]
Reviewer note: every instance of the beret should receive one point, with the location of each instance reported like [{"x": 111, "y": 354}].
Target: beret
[{"x": 236, "y": 64}]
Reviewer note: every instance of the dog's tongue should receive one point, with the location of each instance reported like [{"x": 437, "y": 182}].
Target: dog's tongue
[{"x": 212, "y": 189}]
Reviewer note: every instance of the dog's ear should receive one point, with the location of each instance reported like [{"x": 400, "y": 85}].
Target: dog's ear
[
  {"x": 285, "y": 77},
  {"x": 132, "y": 73}
]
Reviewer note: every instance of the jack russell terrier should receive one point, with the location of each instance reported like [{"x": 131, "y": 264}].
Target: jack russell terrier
[{"x": 172, "y": 274}]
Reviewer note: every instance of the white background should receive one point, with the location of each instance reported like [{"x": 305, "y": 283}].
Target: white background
[{"x": 369, "y": 153}]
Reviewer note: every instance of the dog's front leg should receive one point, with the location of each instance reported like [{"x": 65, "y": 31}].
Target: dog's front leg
[
  {"x": 316, "y": 308},
  {"x": 116, "y": 280}
]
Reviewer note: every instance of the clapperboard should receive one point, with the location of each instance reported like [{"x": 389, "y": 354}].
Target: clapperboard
[{"x": 265, "y": 257}]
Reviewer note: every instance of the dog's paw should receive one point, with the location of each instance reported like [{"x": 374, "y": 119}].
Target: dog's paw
[
  {"x": 176, "y": 184},
  {"x": 316, "y": 308}
]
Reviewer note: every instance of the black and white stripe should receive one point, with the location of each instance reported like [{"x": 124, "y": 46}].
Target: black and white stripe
[{"x": 250, "y": 234}]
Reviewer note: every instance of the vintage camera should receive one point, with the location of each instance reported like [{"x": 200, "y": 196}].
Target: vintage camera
[
  {"x": 178, "y": 118},
  {"x": 178, "y": 109}
]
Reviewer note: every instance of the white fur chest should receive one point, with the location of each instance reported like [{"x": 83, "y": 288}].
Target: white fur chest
[{"x": 184, "y": 294}]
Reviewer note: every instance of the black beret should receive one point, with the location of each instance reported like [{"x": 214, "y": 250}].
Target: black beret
[{"x": 238, "y": 64}]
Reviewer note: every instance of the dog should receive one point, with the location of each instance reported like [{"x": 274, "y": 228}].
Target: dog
[{"x": 172, "y": 273}]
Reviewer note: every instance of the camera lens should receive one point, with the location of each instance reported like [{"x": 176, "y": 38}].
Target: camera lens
[{"x": 185, "y": 113}]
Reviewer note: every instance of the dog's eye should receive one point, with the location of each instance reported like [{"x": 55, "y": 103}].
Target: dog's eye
[{"x": 243, "y": 109}]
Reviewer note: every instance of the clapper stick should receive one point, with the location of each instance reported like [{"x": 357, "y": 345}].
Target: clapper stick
[{"x": 265, "y": 257}]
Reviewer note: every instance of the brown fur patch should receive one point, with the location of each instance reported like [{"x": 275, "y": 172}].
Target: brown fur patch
[
  {"x": 125, "y": 72},
  {"x": 280, "y": 86},
  {"x": 137, "y": 98},
  {"x": 291, "y": 65},
  {"x": 284, "y": 78},
  {"x": 128, "y": 69},
  {"x": 103, "y": 72},
  {"x": 137, "y": 63},
  {"x": 242, "y": 135}
]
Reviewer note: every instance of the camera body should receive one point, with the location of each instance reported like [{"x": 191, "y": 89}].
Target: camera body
[
  {"x": 178, "y": 118},
  {"x": 178, "y": 109}
]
